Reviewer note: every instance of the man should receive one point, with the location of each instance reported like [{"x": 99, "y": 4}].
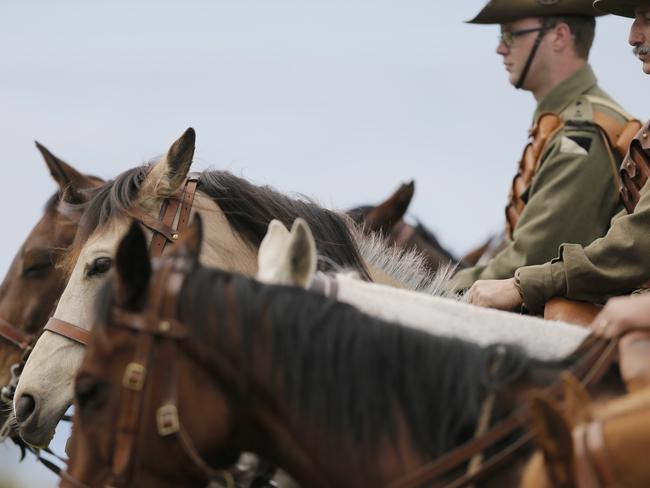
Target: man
[
  {"x": 619, "y": 262},
  {"x": 566, "y": 189}
]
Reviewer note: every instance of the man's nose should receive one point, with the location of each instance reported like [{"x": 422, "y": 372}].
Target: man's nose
[
  {"x": 502, "y": 49},
  {"x": 637, "y": 34}
]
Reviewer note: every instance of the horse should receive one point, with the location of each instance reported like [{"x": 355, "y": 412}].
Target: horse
[
  {"x": 590, "y": 445},
  {"x": 33, "y": 282},
  {"x": 335, "y": 397},
  {"x": 387, "y": 219},
  {"x": 290, "y": 257},
  {"x": 237, "y": 214}
]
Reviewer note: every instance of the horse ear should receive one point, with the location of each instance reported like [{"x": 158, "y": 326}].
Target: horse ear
[
  {"x": 192, "y": 239},
  {"x": 553, "y": 437},
  {"x": 271, "y": 252},
  {"x": 70, "y": 181},
  {"x": 393, "y": 209},
  {"x": 133, "y": 268},
  {"x": 578, "y": 404},
  {"x": 302, "y": 253},
  {"x": 170, "y": 172}
]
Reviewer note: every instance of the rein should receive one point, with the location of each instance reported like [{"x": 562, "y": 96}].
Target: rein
[{"x": 164, "y": 232}]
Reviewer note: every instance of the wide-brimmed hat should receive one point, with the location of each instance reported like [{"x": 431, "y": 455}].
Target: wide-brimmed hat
[
  {"x": 624, "y": 8},
  {"x": 504, "y": 11}
]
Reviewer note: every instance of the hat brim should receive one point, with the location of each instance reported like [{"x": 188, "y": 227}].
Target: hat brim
[
  {"x": 496, "y": 13},
  {"x": 622, "y": 8}
]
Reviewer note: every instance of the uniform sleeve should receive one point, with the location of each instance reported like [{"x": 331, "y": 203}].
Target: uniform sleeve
[
  {"x": 572, "y": 198},
  {"x": 614, "y": 265}
]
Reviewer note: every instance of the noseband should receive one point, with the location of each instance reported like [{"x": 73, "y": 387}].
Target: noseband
[
  {"x": 164, "y": 232},
  {"x": 155, "y": 327}
]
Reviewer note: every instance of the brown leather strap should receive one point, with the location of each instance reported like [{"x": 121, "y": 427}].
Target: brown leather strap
[
  {"x": 14, "y": 335},
  {"x": 68, "y": 330}
]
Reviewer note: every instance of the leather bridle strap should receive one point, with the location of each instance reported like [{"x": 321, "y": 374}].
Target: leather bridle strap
[
  {"x": 15, "y": 335},
  {"x": 68, "y": 330},
  {"x": 544, "y": 28}
]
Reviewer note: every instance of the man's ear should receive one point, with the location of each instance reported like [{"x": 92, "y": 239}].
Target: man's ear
[
  {"x": 132, "y": 269},
  {"x": 553, "y": 436},
  {"x": 167, "y": 175},
  {"x": 302, "y": 249},
  {"x": 191, "y": 240},
  {"x": 71, "y": 182}
]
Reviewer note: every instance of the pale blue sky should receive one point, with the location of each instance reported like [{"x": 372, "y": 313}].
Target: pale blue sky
[{"x": 339, "y": 100}]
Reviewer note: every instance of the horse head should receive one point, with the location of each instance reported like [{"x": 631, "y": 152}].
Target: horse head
[{"x": 34, "y": 280}]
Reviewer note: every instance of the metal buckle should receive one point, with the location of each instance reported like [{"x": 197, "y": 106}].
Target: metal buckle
[
  {"x": 167, "y": 420},
  {"x": 134, "y": 376}
]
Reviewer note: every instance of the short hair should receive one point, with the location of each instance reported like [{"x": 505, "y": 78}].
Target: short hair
[{"x": 583, "y": 29}]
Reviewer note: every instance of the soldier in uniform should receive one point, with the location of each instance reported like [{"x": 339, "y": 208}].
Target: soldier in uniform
[
  {"x": 566, "y": 187},
  {"x": 616, "y": 264}
]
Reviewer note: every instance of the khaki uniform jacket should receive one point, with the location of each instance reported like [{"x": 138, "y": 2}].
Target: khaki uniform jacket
[
  {"x": 574, "y": 193},
  {"x": 616, "y": 264}
]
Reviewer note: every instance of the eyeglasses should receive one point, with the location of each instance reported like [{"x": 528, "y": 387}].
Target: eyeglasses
[{"x": 508, "y": 37}]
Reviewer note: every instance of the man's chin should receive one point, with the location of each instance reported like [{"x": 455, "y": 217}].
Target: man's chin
[{"x": 646, "y": 67}]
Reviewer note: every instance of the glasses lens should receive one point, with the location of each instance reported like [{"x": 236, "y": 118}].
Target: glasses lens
[{"x": 506, "y": 38}]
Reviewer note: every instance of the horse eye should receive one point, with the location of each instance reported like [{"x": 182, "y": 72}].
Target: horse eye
[
  {"x": 90, "y": 392},
  {"x": 34, "y": 270},
  {"x": 99, "y": 266}
]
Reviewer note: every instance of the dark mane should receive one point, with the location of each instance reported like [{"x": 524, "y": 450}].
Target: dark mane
[
  {"x": 344, "y": 370},
  {"x": 248, "y": 208},
  {"x": 428, "y": 236}
]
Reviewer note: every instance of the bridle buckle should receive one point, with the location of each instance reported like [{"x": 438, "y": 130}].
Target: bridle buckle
[
  {"x": 167, "y": 420},
  {"x": 134, "y": 376}
]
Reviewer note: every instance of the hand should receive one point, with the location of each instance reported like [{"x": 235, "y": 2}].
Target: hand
[
  {"x": 501, "y": 294},
  {"x": 621, "y": 315}
]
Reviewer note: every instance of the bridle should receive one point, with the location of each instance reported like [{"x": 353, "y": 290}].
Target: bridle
[
  {"x": 164, "y": 231},
  {"x": 155, "y": 326}
]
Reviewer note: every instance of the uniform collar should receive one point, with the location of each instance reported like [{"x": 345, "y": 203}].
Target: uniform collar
[{"x": 567, "y": 91}]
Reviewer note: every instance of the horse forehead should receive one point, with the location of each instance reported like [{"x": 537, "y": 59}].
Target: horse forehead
[{"x": 105, "y": 239}]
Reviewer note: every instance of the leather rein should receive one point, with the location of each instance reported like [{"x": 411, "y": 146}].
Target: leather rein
[
  {"x": 598, "y": 356},
  {"x": 164, "y": 232}
]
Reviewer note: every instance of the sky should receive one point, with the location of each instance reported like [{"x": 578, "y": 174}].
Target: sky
[{"x": 340, "y": 101}]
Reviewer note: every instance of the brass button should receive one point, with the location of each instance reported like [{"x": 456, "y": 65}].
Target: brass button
[
  {"x": 174, "y": 236},
  {"x": 164, "y": 326},
  {"x": 644, "y": 135}
]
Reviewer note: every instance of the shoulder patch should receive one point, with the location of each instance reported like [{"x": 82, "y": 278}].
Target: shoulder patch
[{"x": 569, "y": 146}]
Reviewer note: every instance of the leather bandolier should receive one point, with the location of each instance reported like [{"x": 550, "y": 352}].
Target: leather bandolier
[{"x": 616, "y": 136}]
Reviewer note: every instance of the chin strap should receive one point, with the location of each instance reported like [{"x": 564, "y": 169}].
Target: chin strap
[{"x": 546, "y": 25}]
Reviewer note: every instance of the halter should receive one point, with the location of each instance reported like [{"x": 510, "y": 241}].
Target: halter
[
  {"x": 155, "y": 326},
  {"x": 164, "y": 232}
]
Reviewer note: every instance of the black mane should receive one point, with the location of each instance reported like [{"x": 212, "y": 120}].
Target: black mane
[
  {"x": 344, "y": 370},
  {"x": 248, "y": 208}
]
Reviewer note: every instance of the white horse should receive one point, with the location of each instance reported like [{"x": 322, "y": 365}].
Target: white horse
[
  {"x": 289, "y": 257},
  {"x": 236, "y": 215}
]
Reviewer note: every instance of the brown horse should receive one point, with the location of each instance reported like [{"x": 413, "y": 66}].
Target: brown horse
[
  {"x": 587, "y": 445},
  {"x": 188, "y": 367},
  {"x": 33, "y": 283},
  {"x": 387, "y": 219}
]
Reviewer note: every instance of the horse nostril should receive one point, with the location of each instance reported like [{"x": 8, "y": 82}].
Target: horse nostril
[{"x": 25, "y": 407}]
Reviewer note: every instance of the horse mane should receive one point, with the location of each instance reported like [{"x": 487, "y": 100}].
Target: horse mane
[
  {"x": 409, "y": 266},
  {"x": 248, "y": 208},
  {"x": 350, "y": 373}
]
